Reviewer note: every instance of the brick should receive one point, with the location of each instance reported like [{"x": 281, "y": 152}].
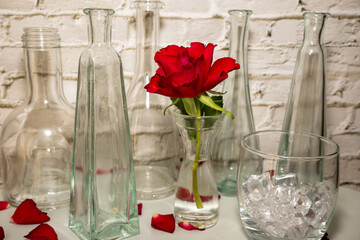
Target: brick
[
  {"x": 81, "y": 4},
  {"x": 11, "y": 59},
  {"x": 4, "y": 113},
  {"x": 349, "y": 143},
  {"x": 261, "y": 6},
  {"x": 334, "y": 117},
  {"x": 17, "y": 4},
  {"x": 187, "y": 6},
  {"x": 70, "y": 59},
  {"x": 332, "y": 6},
  {"x": 352, "y": 170},
  {"x": 287, "y": 31},
  {"x": 17, "y": 90}
]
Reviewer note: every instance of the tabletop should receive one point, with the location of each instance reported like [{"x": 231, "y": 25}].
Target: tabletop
[{"x": 344, "y": 226}]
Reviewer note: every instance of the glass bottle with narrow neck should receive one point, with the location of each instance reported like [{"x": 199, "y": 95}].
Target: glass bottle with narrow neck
[
  {"x": 226, "y": 149},
  {"x": 103, "y": 194},
  {"x": 306, "y": 106},
  {"x": 37, "y": 137},
  {"x": 154, "y": 135}
]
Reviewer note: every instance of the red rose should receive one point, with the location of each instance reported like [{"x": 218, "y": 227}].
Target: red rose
[{"x": 187, "y": 72}]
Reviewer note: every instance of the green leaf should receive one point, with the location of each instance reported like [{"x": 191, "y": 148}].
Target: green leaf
[
  {"x": 176, "y": 100},
  {"x": 179, "y": 104},
  {"x": 216, "y": 93},
  {"x": 190, "y": 106},
  {"x": 208, "y": 101}
]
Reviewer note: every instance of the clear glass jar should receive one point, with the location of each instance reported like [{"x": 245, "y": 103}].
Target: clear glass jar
[
  {"x": 289, "y": 203},
  {"x": 103, "y": 194},
  {"x": 226, "y": 151},
  {"x": 37, "y": 137},
  {"x": 154, "y": 135},
  {"x": 196, "y": 199}
]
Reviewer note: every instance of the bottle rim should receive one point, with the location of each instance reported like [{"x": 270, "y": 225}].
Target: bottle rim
[
  {"x": 240, "y": 11},
  {"x": 317, "y": 14},
  {"x": 40, "y": 37},
  {"x": 99, "y": 11},
  {"x": 147, "y": 5}
]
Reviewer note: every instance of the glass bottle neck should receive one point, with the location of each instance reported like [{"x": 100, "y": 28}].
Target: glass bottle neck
[
  {"x": 147, "y": 31},
  {"x": 42, "y": 59},
  {"x": 314, "y": 24},
  {"x": 99, "y": 26}
]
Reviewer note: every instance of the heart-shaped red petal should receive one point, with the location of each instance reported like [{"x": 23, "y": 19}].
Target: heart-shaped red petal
[
  {"x": 188, "y": 226},
  {"x": 139, "y": 208},
  {"x": 164, "y": 223},
  {"x": 4, "y": 205},
  {"x": 42, "y": 232},
  {"x": 2, "y": 233},
  {"x": 28, "y": 213}
]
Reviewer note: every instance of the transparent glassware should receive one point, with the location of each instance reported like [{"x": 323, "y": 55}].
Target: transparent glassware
[
  {"x": 287, "y": 204},
  {"x": 103, "y": 194},
  {"x": 306, "y": 105},
  {"x": 37, "y": 137},
  {"x": 199, "y": 188},
  {"x": 154, "y": 135},
  {"x": 226, "y": 151}
]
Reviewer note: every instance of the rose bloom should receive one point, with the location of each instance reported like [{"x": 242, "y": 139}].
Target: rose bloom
[{"x": 188, "y": 72}]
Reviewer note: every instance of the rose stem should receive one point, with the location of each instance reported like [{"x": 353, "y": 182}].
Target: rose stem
[{"x": 197, "y": 156}]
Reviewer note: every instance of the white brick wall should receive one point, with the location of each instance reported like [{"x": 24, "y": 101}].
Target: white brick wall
[{"x": 275, "y": 35}]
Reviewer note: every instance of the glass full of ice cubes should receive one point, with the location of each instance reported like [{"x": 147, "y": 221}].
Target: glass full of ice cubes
[{"x": 287, "y": 184}]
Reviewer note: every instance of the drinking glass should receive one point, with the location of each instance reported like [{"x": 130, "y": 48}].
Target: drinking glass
[{"x": 285, "y": 203}]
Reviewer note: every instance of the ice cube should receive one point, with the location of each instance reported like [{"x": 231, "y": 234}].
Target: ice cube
[
  {"x": 289, "y": 180},
  {"x": 298, "y": 231},
  {"x": 275, "y": 230},
  {"x": 302, "y": 201},
  {"x": 257, "y": 186}
]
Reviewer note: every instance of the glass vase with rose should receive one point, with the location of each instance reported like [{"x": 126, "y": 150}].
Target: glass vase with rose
[{"x": 187, "y": 75}]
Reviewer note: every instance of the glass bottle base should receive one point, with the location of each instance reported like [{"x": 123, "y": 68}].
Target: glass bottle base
[
  {"x": 43, "y": 202},
  {"x": 227, "y": 188},
  {"x": 205, "y": 217},
  {"x": 153, "y": 182}
]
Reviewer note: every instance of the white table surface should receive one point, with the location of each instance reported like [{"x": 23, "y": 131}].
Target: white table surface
[{"x": 344, "y": 226}]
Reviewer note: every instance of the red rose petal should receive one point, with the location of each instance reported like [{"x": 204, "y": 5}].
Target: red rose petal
[
  {"x": 185, "y": 195},
  {"x": 28, "y": 213},
  {"x": 272, "y": 172},
  {"x": 139, "y": 208},
  {"x": 42, "y": 232},
  {"x": 188, "y": 226},
  {"x": 164, "y": 223},
  {"x": 2, "y": 233},
  {"x": 4, "y": 205},
  {"x": 196, "y": 50}
]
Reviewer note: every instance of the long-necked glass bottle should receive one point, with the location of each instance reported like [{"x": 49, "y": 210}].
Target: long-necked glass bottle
[
  {"x": 154, "y": 135},
  {"x": 103, "y": 194},
  {"x": 226, "y": 151},
  {"x": 306, "y": 106},
  {"x": 37, "y": 137}
]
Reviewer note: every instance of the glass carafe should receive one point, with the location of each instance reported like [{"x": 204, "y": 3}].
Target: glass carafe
[
  {"x": 37, "y": 137},
  {"x": 154, "y": 135},
  {"x": 103, "y": 194},
  {"x": 226, "y": 151},
  {"x": 306, "y": 106}
]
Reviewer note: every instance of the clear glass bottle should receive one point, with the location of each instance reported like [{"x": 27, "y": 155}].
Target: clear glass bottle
[
  {"x": 306, "y": 106},
  {"x": 196, "y": 199},
  {"x": 226, "y": 150},
  {"x": 103, "y": 194},
  {"x": 154, "y": 135},
  {"x": 37, "y": 137}
]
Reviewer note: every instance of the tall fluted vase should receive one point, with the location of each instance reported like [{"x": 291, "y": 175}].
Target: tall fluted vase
[
  {"x": 226, "y": 151},
  {"x": 154, "y": 135},
  {"x": 306, "y": 106},
  {"x": 103, "y": 195}
]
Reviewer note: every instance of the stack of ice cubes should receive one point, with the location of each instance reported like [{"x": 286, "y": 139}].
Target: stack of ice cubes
[{"x": 283, "y": 207}]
